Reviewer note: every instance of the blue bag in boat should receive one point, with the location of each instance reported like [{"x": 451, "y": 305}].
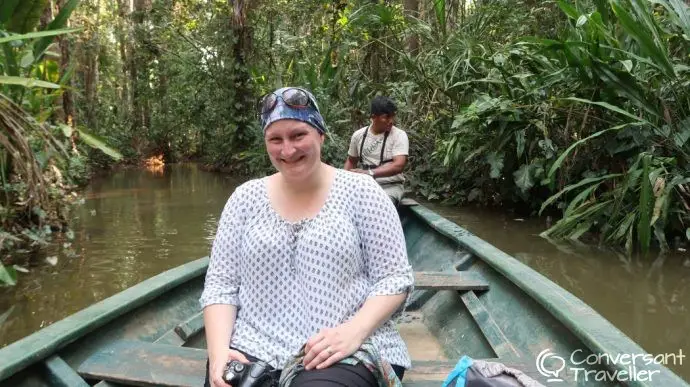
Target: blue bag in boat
[{"x": 479, "y": 373}]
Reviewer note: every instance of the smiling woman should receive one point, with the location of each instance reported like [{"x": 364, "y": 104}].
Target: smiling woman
[
  {"x": 311, "y": 261},
  {"x": 294, "y": 148}
]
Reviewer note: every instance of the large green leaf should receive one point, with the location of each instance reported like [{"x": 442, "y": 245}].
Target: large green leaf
[
  {"x": 27, "y": 82},
  {"x": 585, "y": 213},
  {"x": 613, "y": 108},
  {"x": 523, "y": 178},
  {"x": 623, "y": 229},
  {"x": 678, "y": 13},
  {"x": 495, "y": 160},
  {"x": 603, "y": 9},
  {"x": 520, "y": 141},
  {"x": 10, "y": 60},
  {"x": 559, "y": 161},
  {"x": 99, "y": 143},
  {"x": 581, "y": 197},
  {"x": 625, "y": 85},
  {"x": 26, "y": 15},
  {"x": 7, "y": 8},
  {"x": 571, "y": 187},
  {"x": 59, "y": 22},
  {"x": 568, "y": 9},
  {"x": 39, "y": 34},
  {"x": 8, "y": 276},
  {"x": 683, "y": 133},
  {"x": 440, "y": 10},
  {"x": 644, "y": 34}
]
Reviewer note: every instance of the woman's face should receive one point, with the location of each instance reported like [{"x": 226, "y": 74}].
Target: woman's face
[{"x": 294, "y": 147}]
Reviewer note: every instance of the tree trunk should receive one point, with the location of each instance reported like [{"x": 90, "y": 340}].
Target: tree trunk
[
  {"x": 46, "y": 16},
  {"x": 138, "y": 72},
  {"x": 241, "y": 47},
  {"x": 68, "y": 114},
  {"x": 91, "y": 48},
  {"x": 412, "y": 10},
  {"x": 124, "y": 46}
]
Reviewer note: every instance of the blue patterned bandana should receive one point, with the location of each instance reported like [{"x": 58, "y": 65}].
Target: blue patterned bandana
[{"x": 282, "y": 111}]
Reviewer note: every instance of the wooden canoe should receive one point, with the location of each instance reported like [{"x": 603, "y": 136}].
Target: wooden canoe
[{"x": 470, "y": 299}]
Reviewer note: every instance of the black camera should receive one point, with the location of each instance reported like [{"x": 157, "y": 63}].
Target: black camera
[{"x": 256, "y": 374}]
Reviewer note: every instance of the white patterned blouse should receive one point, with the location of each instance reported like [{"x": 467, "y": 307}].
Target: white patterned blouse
[{"x": 291, "y": 279}]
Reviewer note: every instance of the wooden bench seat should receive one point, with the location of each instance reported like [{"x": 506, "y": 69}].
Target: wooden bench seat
[
  {"x": 460, "y": 280},
  {"x": 149, "y": 364},
  {"x": 146, "y": 364}
]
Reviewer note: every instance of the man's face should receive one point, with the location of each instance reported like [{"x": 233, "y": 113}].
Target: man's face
[{"x": 382, "y": 122}]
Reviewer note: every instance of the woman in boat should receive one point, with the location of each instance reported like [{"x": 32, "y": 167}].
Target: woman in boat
[{"x": 309, "y": 267}]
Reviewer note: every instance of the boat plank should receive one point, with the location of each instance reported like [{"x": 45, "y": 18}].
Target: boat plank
[
  {"x": 191, "y": 327},
  {"x": 170, "y": 338},
  {"x": 47, "y": 341},
  {"x": 493, "y": 334},
  {"x": 183, "y": 331},
  {"x": 461, "y": 280},
  {"x": 174, "y": 337},
  {"x": 61, "y": 374},
  {"x": 146, "y": 364}
]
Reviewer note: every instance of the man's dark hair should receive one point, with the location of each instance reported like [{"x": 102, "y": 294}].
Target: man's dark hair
[{"x": 382, "y": 105}]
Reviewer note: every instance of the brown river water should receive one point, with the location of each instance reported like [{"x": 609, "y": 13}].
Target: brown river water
[{"x": 135, "y": 224}]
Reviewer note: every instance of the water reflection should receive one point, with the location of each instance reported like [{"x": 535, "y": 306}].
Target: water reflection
[
  {"x": 133, "y": 225},
  {"x": 646, "y": 298}
]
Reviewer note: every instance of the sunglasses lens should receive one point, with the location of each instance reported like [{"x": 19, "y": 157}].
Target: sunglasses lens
[
  {"x": 267, "y": 103},
  {"x": 296, "y": 97}
]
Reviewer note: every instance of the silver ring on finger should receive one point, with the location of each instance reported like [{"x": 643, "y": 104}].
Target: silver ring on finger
[{"x": 329, "y": 350}]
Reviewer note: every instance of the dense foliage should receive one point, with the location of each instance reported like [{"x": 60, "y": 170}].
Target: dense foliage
[
  {"x": 579, "y": 109},
  {"x": 42, "y": 159}
]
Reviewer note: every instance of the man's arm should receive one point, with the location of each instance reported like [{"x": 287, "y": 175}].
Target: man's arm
[
  {"x": 351, "y": 163},
  {"x": 392, "y": 168}
]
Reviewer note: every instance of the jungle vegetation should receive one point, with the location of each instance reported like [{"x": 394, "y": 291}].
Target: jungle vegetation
[{"x": 576, "y": 109}]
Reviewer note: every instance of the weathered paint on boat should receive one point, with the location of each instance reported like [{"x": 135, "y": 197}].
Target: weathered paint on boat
[
  {"x": 532, "y": 314},
  {"x": 520, "y": 315}
]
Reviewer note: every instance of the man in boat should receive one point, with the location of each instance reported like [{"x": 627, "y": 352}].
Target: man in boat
[{"x": 380, "y": 149}]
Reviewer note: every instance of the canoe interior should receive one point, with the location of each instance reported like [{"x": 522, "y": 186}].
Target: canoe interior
[
  {"x": 522, "y": 327},
  {"x": 145, "y": 323},
  {"x": 502, "y": 323}
]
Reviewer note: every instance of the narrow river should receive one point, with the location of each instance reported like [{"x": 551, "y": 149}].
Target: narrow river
[{"x": 137, "y": 223}]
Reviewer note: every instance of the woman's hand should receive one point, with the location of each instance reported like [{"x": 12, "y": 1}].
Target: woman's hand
[
  {"x": 217, "y": 363},
  {"x": 331, "y": 345}
]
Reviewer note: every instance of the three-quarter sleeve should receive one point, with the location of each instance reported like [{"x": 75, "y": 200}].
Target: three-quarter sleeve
[
  {"x": 383, "y": 243},
  {"x": 222, "y": 282}
]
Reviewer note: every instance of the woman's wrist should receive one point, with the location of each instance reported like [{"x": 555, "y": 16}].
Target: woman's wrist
[
  {"x": 361, "y": 329},
  {"x": 375, "y": 312}
]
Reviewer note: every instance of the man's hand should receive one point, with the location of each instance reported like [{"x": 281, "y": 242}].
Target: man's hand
[
  {"x": 358, "y": 170},
  {"x": 216, "y": 366},
  {"x": 331, "y": 345}
]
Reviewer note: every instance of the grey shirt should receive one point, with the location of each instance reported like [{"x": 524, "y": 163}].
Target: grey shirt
[
  {"x": 291, "y": 279},
  {"x": 397, "y": 144}
]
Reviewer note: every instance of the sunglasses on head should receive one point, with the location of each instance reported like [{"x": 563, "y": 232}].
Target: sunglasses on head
[{"x": 293, "y": 97}]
